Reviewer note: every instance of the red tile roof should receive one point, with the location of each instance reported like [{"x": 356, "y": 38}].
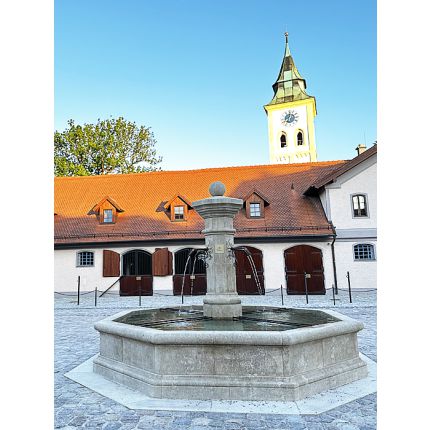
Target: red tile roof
[
  {"x": 343, "y": 168},
  {"x": 142, "y": 196}
]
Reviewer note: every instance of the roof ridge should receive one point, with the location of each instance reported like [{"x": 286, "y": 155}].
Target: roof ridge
[{"x": 205, "y": 169}]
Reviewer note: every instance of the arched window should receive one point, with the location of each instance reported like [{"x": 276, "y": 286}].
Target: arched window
[
  {"x": 187, "y": 262},
  {"x": 364, "y": 251},
  {"x": 300, "y": 138},
  {"x": 283, "y": 141},
  {"x": 136, "y": 263}
]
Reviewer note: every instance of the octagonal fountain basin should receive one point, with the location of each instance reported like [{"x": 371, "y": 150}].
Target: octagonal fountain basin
[{"x": 266, "y": 354}]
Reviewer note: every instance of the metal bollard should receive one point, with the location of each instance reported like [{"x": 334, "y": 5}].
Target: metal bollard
[
  {"x": 306, "y": 288},
  {"x": 282, "y": 296},
  {"x": 140, "y": 295},
  {"x": 334, "y": 297},
  {"x": 95, "y": 297},
  {"x": 349, "y": 287},
  {"x": 79, "y": 288}
]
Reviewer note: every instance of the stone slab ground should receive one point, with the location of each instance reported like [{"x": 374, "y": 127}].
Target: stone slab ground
[{"x": 76, "y": 341}]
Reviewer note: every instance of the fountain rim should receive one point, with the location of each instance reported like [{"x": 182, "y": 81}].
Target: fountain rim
[{"x": 210, "y": 337}]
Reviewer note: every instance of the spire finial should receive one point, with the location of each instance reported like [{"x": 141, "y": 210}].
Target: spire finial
[{"x": 286, "y": 36}]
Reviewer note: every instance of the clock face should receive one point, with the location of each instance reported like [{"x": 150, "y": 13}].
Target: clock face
[{"x": 290, "y": 117}]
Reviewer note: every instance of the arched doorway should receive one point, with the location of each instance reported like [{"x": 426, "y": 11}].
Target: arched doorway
[
  {"x": 136, "y": 276},
  {"x": 245, "y": 280},
  {"x": 194, "y": 279},
  {"x": 303, "y": 259}
]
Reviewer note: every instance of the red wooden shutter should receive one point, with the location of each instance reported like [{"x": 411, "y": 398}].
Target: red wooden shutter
[
  {"x": 111, "y": 263},
  {"x": 162, "y": 262}
]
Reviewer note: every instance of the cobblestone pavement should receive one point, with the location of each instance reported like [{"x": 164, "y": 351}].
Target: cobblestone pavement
[{"x": 76, "y": 341}]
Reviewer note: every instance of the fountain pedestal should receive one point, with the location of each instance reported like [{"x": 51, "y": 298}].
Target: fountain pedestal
[{"x": 221, "y": 300}]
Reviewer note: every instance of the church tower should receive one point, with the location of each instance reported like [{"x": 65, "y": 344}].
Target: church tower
[{"x": 290, "y": 116}]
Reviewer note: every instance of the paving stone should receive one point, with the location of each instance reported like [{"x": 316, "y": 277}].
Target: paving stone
[
  {"x": 201, "y": 421},
  {"x": 112, "y": 426},
  {"x": 78, "y": 421},
  {"x": 182, "y": 421}
]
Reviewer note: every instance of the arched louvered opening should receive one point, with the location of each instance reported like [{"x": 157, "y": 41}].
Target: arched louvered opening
[
  {"x": 283, "y": 140},
  {"x": 246, "y": 283},
  {"x": 136, "y": 276},
  {"x": 190, "y": 273}
]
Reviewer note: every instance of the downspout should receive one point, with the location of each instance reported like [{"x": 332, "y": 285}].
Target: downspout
[{"x": 333, "y": 257}]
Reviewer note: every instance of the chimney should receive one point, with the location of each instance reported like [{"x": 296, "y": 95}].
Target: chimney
[{"x": 360, "y": 148}]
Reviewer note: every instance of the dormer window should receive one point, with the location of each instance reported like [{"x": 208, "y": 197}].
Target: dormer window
[
  {"x": 177, "y": 208},
  {"x": 255, "y": 210},
  {"x": 106, "y": 211},
  {"x": 255, "y": 204},
  {"x": 107, "y": 216},
  {"x": 179, "y": 213}
]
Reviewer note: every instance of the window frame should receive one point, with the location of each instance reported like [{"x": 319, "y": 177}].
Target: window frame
[
  {"x": 175, "y": 214},
  {"x": 366, "y": 204},
  {"x": 259, "y": 210},
  {"x": 112, "y": 216},
  {"x": 78, "y": 258},
  {"x": 364, "y": 259}
]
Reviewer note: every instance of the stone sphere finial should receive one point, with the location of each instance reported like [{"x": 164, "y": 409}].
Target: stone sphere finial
[{"x": 217, "y": 189}]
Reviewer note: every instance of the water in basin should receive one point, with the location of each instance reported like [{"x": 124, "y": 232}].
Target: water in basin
[{"x": 252, "y": 319}]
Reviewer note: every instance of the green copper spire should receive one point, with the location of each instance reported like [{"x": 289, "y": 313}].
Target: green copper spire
[{"x": 289, "y": 86}]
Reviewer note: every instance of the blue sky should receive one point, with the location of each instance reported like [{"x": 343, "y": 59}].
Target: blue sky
[{"x": 199, "y": 72}]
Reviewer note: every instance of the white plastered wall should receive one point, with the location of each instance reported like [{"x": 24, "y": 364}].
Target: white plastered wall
[
  {"x": 360, "y": 180},
  {"x": 362, "y": 273},
  {"x": 336, "y": 200},
  {"x": 66, "y": 273}
]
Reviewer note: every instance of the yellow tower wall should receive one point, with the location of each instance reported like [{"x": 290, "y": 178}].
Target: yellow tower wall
[{"x": 292, "y": 153}]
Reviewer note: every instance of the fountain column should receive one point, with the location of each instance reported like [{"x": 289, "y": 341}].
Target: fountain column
[{"x": 221, "y": 300}]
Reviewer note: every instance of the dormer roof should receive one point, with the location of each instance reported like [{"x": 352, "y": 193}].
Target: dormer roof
[
  {"x": 96, "y": 209},
  {"x": 259, "y": 194},
  {"x": 178, "y": 196}
]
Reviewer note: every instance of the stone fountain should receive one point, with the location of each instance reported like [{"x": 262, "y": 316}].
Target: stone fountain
[
  {"x": 222, "y": 350},
  {"x": 222, "y": 300}
]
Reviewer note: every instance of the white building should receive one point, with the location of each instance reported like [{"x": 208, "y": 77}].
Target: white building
[
  {"x": 348, "y": 196},
  {"x": 306, "y": 223}
]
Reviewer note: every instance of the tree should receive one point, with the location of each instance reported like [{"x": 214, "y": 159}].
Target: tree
[{"x": 110, "y": 146}]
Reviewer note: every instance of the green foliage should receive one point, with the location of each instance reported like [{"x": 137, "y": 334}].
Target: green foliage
[{"x": 110, "y": 146}]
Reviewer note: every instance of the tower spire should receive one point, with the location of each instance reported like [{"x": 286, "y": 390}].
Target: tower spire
[
  {"x": 290, "y": 116},
  {"x": 290, "y": 85},
  {"x": 287, "y": 47}
]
